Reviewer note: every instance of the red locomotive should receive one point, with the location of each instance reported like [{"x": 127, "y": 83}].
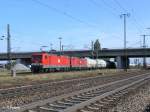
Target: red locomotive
[{"x": 44, "y": 62}]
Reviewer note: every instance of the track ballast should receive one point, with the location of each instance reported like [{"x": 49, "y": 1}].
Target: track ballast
[{"x": 87, "y": 100}]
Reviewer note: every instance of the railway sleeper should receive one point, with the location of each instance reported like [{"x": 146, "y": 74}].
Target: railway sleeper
[
  {"x": 84, "y": 97},
  {"x": 116, "y": 96},
  {"x": 107, "y": 100},
  {"x": 123, "y": 93},
  {"x": 64, "y": 103},
  {"x": 99, "y": 103},
  {"x": 78, "y": 99},
  {"x": 105, "y": 104},
  {"x": 57, "y": 106},
  {"x": 110, "y": 98},
  {"x": 83, "y": 110},
  {"x": 91, "y": 108},
  {"x": 90, "y": 96},
  {"x": 46, "y": 109},
  {"x": 100, "y": 92},
  {"x": 31, "y": 111},
  {"x": 72, "y": 101},
  {"x": 87, "y": 93}
]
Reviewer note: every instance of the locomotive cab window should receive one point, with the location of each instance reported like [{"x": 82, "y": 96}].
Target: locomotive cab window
[{"x": 36, "y": 58}]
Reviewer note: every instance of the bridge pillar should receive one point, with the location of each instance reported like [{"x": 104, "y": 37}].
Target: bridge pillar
[{"x": 121, "y": 62}]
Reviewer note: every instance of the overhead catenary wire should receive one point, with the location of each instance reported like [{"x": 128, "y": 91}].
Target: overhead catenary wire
[
  {"x": 108, "y": 6},
  {"x": 121, "y": 7},
  {"x": 113, "y": 12},
  {"x": 63, "y": 13},
  {"x": 135, "y": 43},
  {"x": 73, "y": 17},
  {"x": 139, "y": 26},
  {"x": 133, "y": 18}
]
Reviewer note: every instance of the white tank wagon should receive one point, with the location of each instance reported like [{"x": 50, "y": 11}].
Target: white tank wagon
[
  {"x": 101, "y": 63},
  {"x": 91, "y": 63}
]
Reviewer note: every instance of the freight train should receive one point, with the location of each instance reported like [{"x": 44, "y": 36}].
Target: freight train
[{"x": 44, "y": 62}]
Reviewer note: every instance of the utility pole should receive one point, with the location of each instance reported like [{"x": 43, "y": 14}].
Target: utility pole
[
  {"x": 60, "y": 43},
  {"x": 62, "y": 49},
  {"x": 92, "y": 48},
  {"x": 144, "y": 47},
  {"x": 8, "y": 46},
  {"x": 125, "y": 50}
]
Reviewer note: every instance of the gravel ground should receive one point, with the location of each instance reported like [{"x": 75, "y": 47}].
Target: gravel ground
[
  {"x": 135, "y": 101},
  {"x": 59, "y": 88}
]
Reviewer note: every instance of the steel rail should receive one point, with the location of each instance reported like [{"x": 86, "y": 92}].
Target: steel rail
[
  {"x": 84, "y": 101},
  {"x": 17, "y": 91}
]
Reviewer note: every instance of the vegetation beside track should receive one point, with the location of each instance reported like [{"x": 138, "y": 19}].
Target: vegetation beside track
[{"x": 7, "y": 81}]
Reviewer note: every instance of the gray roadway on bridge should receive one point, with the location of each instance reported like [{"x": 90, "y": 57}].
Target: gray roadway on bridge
[{"x": 107, "y": 53}]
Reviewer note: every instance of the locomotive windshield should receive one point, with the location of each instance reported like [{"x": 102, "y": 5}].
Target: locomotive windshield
[{"x": 36, "y": 58}]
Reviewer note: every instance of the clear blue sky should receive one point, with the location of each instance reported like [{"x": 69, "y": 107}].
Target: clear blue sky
[{"x": 78, "y": 22}]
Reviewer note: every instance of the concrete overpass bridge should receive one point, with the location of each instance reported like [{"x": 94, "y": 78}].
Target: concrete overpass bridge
[{"x": 118, "y": 54}]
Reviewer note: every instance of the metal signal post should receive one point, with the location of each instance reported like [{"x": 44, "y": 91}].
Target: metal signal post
[
  {"x": 8, "y": 46},
  {"x": 144, "y": 47}
]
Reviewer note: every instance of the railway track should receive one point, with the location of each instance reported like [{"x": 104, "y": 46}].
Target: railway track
[
  {"x": 95, "y": 99},
  {"x": 16, "y": 97},
  {"x": 30, "y": 89}
]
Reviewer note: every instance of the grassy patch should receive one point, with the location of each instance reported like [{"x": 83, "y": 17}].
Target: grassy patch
[{"x": 24, "y": 79}]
